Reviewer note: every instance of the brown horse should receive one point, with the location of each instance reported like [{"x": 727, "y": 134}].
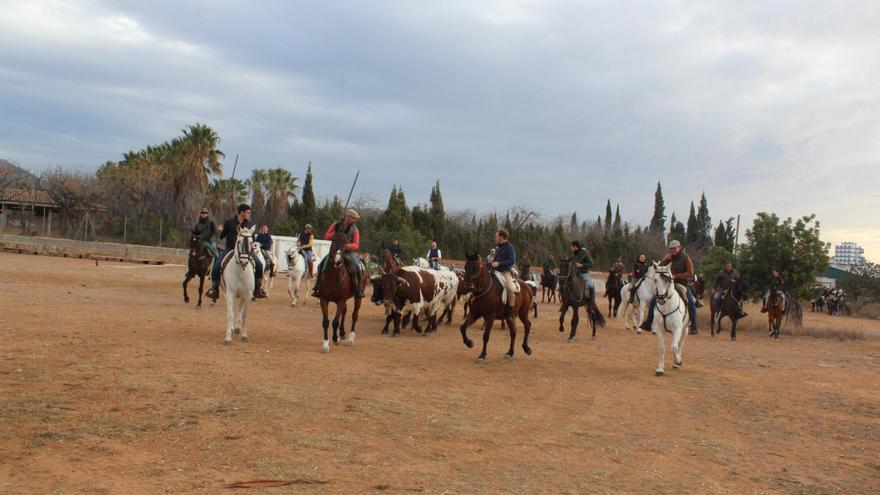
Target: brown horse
[
  {"x": 337, "y": 286},
  {"x": 198, "y": 265},
  {"x": 697, "y": 285},
  {"x": 574, "y": 293},
  {"x": 731, "y": 304},
  {"x": 775, "y": 306},
  {"x": 548, "y": 285},
  {"x": 486, "y": 303},
  {"x": 612, "y": 292}
]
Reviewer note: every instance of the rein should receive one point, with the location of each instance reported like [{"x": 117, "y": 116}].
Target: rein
[
  {"x": 663, "y": 297},
  {"x": 569, "y": 288}
]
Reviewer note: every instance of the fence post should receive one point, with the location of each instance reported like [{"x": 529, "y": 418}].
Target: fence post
[
  {"x": 125, "y": 230},
  {"x": 161, "y": 222}
]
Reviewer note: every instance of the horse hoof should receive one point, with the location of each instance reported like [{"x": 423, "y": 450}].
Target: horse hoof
[
  {"x": 676, "y": 366},
  {"x": 395, "y": 334},
  {"x": 593, "y": 337},
  {"x": 198, "y": 306},
  {"x": 508, "y": 356},
  {"x": 469, "y": 343},
  {"x": 733, "y": 339},
  {"x": 527, "y": 350},
  {"x": 570, "y": 340},
  {"x": 244, "y": 339},
  {"x": 227, "y": 343},
  {"x": 481, "y": 360},
  {"x": 186, "y": 300},
  {"x": 326, "y": 347},
  {"x": 350, "y": 341},
  {"x": 561, "y": 329},
  {"x": 658, "y": 373}
]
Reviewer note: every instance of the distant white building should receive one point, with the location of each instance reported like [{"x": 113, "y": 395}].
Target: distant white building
[{"x": 848, "y": 254}]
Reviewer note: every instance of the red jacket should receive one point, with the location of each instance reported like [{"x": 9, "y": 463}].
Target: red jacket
[{"x": 351, "y": 246}]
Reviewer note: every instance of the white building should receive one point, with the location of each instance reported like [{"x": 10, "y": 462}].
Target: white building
[{"x": 848, "y": 254}]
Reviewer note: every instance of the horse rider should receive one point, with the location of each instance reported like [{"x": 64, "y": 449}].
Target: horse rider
[
  {"x": 525, "y": 267},
  {"x": 583, "y": 262},
  {"x": 206, "y": 229},
  {"x": 724, "y": 281},
  {"x": 348, "y": 227},
  {"x": 617, "y": 269},
  {"x": 502, "y": 260},
  {"x": 640, "y": 268},
  {"x": 777, "y": 284},
  {"x": 229, "y": 231},
  {"x": 264, "y": 239},
  {"x": 306, "y": 247},
  {"x": 434, "y": 256},
  {"x": 682, "y": 269},
  {"x": 396, "y": 251}
]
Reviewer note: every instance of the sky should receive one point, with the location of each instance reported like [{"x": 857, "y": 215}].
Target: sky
[{"x": 554, "y": 106}]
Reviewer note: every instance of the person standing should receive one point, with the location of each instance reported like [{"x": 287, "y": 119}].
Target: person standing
[{"x": 434, "y": 256}]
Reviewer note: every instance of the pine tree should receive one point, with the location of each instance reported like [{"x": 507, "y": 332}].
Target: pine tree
[
  {"x": 658, "y": 221},
  {"x": 676, "y": 230},
  {"x": 616, "y": 226},
  {"x": 607, "y": 217},
  {"x": 704, "y": 222},
  {"x": 573, "y": 224},
  {"x": 308, "y": 207},
  {"x": 692, "y": 238},
  {"x": 438, "y": 214}
]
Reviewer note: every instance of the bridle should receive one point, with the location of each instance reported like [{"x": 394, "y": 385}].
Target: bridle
[
  {"x": 471, "y": 286},
  {"x": 567, "y": 285},
  {"x": 243, "y": 249},
  {"x": 663, "y": 298}
]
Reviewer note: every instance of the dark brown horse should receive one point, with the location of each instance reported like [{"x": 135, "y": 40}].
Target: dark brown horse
[
  {"x": 486, "y": 303},
  {"x": 337, "y": 286},
  {"x": 612, "y": 292},
  {"x": 731, "y": 304},
  {"x": 775, "y": 306},
  {"x": 198, "y": 265},
  {"x": 549, "y": 280},
  {"x": 575, "y": 293},
  {"x": 697, "y": 285}
]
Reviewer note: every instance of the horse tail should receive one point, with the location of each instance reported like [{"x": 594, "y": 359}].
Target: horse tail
[{"x": 596, "y": 316}]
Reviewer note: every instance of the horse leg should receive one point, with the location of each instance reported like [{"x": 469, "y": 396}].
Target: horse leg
[
  {"x": 339, "y": 321},
  {"x": 512, "y": 328},
  {"x": 733, "y": 329},
  {"x": 575, "y": 319},
  {"x": 562, "y": 311},
  {"x": 678, "y": 336},
  {"x": 242, "y": 317},
  {"x": 527, "y": 328},
  {"x": 662, "y": 348},
  {"x": 325, "y": 322},
  {"x": 487, "y": 331},
  {"x": 355, "y": 312},
  {"x": 230, "y": 316},
  {"x": 201, "y": 289},
  {"x": 591, "y": 311},
  {"x": 469, "y": 320},
  {"x": 186, "y": 279}
]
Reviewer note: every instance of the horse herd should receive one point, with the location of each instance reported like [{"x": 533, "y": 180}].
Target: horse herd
[{"x": 414, "y": 293}]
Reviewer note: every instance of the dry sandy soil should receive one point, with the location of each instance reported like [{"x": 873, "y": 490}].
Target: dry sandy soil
[{"x": 110, "y": 384}]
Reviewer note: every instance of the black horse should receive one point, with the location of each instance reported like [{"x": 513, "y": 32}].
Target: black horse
[
  {"x": 731, "y": 304},
  {"x": 612, "y": 292},
  {"x": 549, "y": 281},
  {"x": 575, "y": 293},
  {"x": 198, "y": 265}
]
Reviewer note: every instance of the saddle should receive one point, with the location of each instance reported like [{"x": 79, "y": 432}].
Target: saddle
[
  {"x": 500, "y": 279},
  {"x": 682, "y": 291}
]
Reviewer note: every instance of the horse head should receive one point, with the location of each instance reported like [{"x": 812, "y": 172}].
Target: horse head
[
  {"x": 244, "y": 244},
  {"x": 472, "y": 266},
  {"x": 662, "y": 282},
  {"x": 195, "y": 243},
  {"x": 565, "y": 267},
  {"x": 337, "y": 247}
]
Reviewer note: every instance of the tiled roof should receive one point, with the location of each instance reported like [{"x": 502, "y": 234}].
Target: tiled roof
[{"x": 27, "y": 196}]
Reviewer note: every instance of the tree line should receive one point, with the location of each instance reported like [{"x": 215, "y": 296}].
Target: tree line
[{"x": 166, "y": 184}]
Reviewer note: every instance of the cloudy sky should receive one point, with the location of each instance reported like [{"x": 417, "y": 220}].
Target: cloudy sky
[{"x": 552, "y": 105}]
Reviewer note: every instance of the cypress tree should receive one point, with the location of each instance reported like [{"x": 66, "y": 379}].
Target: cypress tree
[
  {"x": 308, "y": 207},
  {"x": 658, "y": 220}
]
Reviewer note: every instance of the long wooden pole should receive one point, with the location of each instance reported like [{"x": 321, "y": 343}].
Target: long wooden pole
[{"x": 358, "y": 174}]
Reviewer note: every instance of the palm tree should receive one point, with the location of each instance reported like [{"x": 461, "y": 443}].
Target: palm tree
[
  {"x": 195, "y": 157},
  {"x": 224, "y": 195},
  {"x": 281, "y": 187}
]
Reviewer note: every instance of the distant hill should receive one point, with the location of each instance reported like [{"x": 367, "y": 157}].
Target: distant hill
[{"x": 14, "y": 176}]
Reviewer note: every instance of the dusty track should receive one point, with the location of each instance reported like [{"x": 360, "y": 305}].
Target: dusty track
[{"x": 110, "y": 384}]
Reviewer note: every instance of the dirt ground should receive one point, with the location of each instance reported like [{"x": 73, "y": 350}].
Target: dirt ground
[{"x": 110, "y": 384}]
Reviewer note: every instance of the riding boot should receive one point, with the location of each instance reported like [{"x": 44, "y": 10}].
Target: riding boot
[
  {"x": 214, "y": 292},
  {"x": 764, "y": 307},
  {"x": 315, "y": 288},
  {"x": 508, "y": 312},
  {"x": 356, "y": 279}
]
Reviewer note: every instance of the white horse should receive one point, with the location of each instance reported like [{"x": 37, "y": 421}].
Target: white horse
[
  {"x": 238, "y": 278},
  {"x": 640, "y": 303},
  {"x": 423, "y": 264},
  {"x": 296, "y": 269},
  {"x": 670, "y": 314}
]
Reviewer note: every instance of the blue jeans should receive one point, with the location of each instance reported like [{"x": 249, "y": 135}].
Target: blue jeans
[
  {"x": 767, "y": 294},
  {"x": 692, "y": 309},
  {"x": 588, "y": 280},
  {"x": 309, "y": 256},
  {"x": 215, "y": 271},
  {"x": 352, "y": 256}
]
